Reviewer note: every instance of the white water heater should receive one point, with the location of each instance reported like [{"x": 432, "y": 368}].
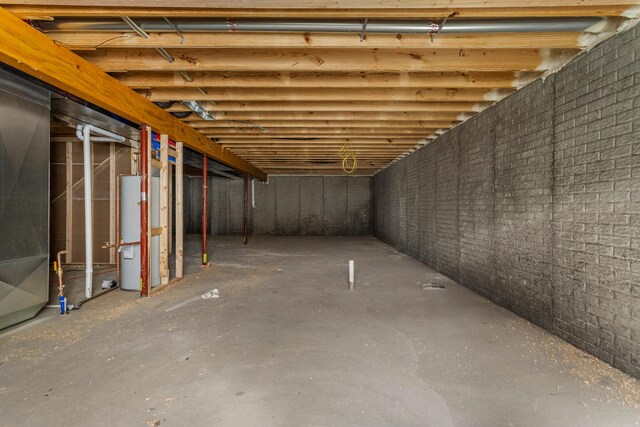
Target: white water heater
[{"x": 130, "y": 232}]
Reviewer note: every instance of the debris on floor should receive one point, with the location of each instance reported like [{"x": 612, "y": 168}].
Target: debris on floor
[
  {"x": 108, "y": 284},
  {"x": 211, "y": 294}
]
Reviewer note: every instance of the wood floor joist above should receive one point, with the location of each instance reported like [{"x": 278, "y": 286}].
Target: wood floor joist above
[
  {"x": 227, "y": 107},
  {"x": 91, "y": 41},
  {"x": 324, "y": 94},
  {"x": 288, "y": 101},
  {"x": 428, "y": 10},
  {"x": 487, "y": 80},
  {"x": 330, "y": 60}
]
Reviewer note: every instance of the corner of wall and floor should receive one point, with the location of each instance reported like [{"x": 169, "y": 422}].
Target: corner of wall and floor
[{"x": 535, "y": 202}]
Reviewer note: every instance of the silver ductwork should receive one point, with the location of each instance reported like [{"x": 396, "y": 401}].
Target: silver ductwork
[{"x": 451, "y": 26}]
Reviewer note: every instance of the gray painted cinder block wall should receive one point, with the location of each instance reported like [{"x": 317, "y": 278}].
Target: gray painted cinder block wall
[
  {"x": 535, "y": 203},
  {"x": 287, "y": 205}
]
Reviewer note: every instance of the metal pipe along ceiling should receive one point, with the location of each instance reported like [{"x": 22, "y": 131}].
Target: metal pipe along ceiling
[{"x": 452, "y": 26}]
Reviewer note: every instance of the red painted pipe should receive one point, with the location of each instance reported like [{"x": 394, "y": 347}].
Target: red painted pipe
[
  {"x": 144, "y": 224},
  {"x": 245, "y": 229},
  {"x": 205, "y": 261}
]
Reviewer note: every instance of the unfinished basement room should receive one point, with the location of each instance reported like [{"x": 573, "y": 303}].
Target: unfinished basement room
[{"x": 320, "y": 213}]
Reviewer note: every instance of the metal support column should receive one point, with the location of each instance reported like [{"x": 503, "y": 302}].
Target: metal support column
[
  {"x": 143, "y": 167},
  {"x": 205, "y": 261}
]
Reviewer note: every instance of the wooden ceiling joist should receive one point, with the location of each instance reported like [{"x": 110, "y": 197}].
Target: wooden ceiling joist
[
  {"x": 326, "y": 131},
  {"x": 327, "y": 115},
  {"x": 214, "y": 125},
  {"x": 28, "y": 50},
  {"x": 336, "y": 141},
  {"x": 357, "y": 106},
  {"x": 313, "y": 136},
  {"x": 333, "y": 60},
  {"x": 289, "y": 101},
  {"x": 325, "y": 94},
  {"x": 112, "y": 40},
  {"x": 420, "y": 11},
  {"x": 488, "y": 80}
]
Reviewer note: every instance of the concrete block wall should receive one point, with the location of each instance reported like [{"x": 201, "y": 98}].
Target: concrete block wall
[
  {"x": 535, "y": 202},
  {"x": 287, "y": 205}
]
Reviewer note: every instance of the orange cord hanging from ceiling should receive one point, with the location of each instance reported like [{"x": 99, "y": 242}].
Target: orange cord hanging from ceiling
[{"x": 348, "y": 156}]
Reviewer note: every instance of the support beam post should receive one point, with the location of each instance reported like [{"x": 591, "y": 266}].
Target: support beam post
[
  {"x": 164, "y": 209},
  {"x": 245, "y": 224},
  {"x": 112, "y": 203},
  {"x": 205, "y": 261},
  {"x": 143, "y": 166},
  {"x": 179, "y": 212}
]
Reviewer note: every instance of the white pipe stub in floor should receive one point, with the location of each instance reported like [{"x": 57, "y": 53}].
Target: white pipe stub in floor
[{"x": 351, "y": 274}]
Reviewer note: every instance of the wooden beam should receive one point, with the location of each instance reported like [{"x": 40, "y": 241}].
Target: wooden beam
[
  {"x": 221, "y": 138},
  {"x": 332, "y": 60},
  {"x": 179, "y": 211},
  {"x": 329, "y": 115},
  {"x": 419, "y": 11},
  {"x": 214, "y": 125},
  {"x": 25, "y": 48},
  {"x": 490, "y": 80},
  {"x": 318, "y": 147},
  {"x": 164, "y": 209},
  {"x": 274, "y": 132},
  {"x": 337, "y": 5},
  {"x": 317, "y": 158},
  {"x": 381, "y": 106},
  {"x": 332, "y": 140},
  {"x": 326, "y": 94},
  {"x": 331, "y": 155},
  {"x": 112, "y": 40}
]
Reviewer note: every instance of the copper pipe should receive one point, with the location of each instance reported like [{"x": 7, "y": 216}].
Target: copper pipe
[
  {"x": 245, "y": 229},
  {"x": 144, "y": 223},
  {"x": 59, "y": 272},
  {"x": 205, "y": 261}
]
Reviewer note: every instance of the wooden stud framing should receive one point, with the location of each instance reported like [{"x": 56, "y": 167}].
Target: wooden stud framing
[
  {"x": 164, "y": 209},
  {"x": 179, "y": 211}
]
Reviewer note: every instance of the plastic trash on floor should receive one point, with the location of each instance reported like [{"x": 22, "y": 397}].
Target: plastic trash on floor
[
  {"x": 108, "y": 284},
  {"x": 211, "y": 294}
]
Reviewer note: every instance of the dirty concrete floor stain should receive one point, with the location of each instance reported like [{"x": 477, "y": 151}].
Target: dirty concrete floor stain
[{"x": 287, "y": 344}]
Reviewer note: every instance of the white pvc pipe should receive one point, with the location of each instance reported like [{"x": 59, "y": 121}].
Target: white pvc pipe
[
  {"x": 351, "y": 274},
  {"x": 253, "y": 193},
  {"x": 84, "y": 134}
]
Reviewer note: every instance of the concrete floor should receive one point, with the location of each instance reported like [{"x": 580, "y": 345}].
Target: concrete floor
[{"x": 287, "y": 344}]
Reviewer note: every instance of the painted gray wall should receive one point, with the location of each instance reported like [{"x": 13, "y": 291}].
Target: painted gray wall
[
  {"x": 287, "y": 205},
  {"x": 535, "y": 203}
]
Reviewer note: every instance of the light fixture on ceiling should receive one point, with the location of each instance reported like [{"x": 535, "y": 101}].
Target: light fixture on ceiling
[{"x": 198, "y": 109}]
